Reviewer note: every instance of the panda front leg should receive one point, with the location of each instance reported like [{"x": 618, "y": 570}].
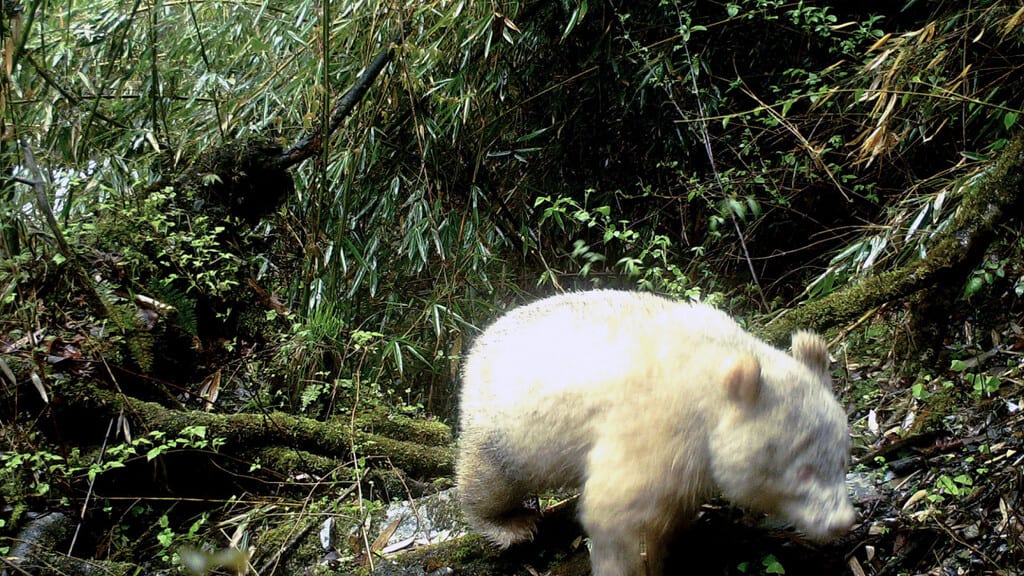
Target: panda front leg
[{"x": 628, "y": 510}]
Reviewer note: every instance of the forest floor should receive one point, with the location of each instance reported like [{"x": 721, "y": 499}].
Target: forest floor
[{"x": 940, "y": 458}]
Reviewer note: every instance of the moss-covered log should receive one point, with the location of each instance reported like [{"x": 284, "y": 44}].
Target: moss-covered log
[
  {"x": 429, "y": 456},
  {"x": 397, "y": 427},
  {"x": 983, "y": 207},
  {"x": 50, "y": 562}
]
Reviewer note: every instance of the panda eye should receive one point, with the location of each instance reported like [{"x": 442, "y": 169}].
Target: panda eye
[{"x": 805, "y": 474}]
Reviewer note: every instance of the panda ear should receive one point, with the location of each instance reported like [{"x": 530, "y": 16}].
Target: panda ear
[
  {"x": 810, "y": 350},
  {"x": 743, "y": 381}
]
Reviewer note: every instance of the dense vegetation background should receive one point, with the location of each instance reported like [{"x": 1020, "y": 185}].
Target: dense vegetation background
[{"x": 244, "y": 244}]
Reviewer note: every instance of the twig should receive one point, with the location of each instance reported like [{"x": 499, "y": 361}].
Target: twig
[
  {"x": 88, "y": 493},
  {"x": 965, "y": 544},
  {"x": 72, "y": 98}
]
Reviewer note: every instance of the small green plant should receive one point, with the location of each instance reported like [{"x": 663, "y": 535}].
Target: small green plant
[
  {"x": 987, "y": 275},
  {"x": 311, "y": 394},
  {"x": 166, "y": 535},
  {"x": 980, "y": 470},
  {"x": 919, "y": 390},
  {"x": 645, "y": 257},
  {"x": 186, "y": 251},
  {"x": 190, "y": 437},
  {"x": 171, "y": 542},
  {"x": 769, "y": 565},
  {"x": 39, "y": 464},
  {"x": 955, "y": 486},
  {"x": 40, "y": 469},
  {"x": 982, "y": 385},
  {"x": 28, "y": 476},
  {"x": 772, "y": 565}
]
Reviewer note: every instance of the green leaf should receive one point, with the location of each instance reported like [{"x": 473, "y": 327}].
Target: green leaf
[
  {"x": 772, "y": 565},
  {"x": 155, "y": 452},
  {"x": 531, "y": 136},
  {"x": 1009, "y": 119},
  {"x": 165, "y": 538},
  {"x": 974, "y": 285},
  {"x": 575, "y": 18},
  {"x": 918, "y": 390},
  {"x": 194, "y": 431}
]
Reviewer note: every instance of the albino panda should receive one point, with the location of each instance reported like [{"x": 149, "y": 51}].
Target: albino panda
[{"x": 651, "y": 406}]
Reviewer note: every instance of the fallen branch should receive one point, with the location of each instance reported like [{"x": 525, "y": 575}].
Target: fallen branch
[{"x": 310, "y": 143}]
